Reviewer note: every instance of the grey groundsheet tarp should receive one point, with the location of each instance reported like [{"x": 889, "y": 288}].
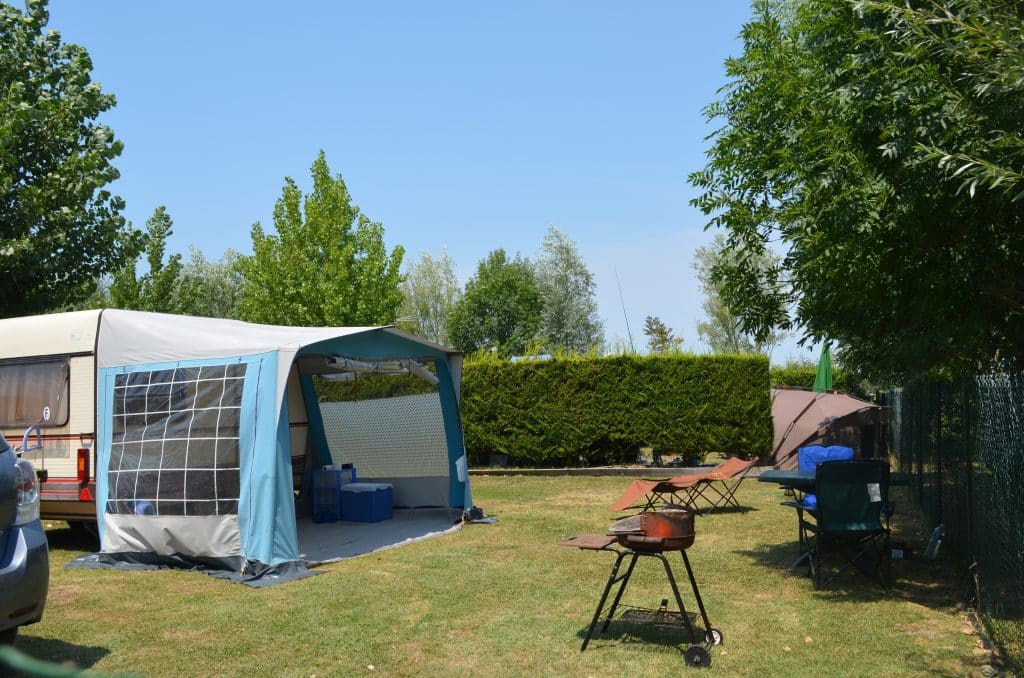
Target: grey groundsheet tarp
[
  {"x": 319, "y": 543},
  {"x": 328, "y": 542}
]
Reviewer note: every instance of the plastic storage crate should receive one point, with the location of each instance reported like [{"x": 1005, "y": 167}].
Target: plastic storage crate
[
  {"x": 366, "y": 502},
  {"x": 327, "y": 494}
]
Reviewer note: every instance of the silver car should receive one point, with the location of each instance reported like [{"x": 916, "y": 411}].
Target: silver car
[{"x": 24, "y": 554}]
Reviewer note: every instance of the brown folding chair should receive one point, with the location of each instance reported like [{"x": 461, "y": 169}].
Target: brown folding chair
[
  {"x": 718, "y": 489},
  {"x": 684, "y": 490}
]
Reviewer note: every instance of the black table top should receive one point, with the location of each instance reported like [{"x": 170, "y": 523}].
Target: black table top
[
  {"x": 804, "y": 480},
  {"x": 800, "y": 480}
]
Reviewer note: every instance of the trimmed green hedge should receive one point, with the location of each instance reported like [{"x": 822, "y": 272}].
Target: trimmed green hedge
[
  {"x": 371, "y": 386},
  {"x": 802, "y": 376},
  {"x": 584, "y": 411}
]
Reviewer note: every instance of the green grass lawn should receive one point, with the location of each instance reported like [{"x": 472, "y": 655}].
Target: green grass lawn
[{"x": 505, "y": 600}]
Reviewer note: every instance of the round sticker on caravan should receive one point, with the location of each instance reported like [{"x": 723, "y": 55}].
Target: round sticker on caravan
[{"x": 46, "y": 413}]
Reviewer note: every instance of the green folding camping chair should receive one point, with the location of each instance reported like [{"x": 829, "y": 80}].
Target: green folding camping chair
[{"x": 851, "y": 526}]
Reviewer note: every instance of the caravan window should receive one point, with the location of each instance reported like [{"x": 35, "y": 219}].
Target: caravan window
[
  {"x": 174, "y": 449},
  {"x": 34, "y": 393}
]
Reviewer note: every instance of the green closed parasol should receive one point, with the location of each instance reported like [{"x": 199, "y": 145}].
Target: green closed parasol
[{"x": 823, "y": 379}]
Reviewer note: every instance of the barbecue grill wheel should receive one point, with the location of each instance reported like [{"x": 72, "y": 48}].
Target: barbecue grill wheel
[
  {"x": 713, "y": 637},
  {"x": 697, "y": 657}
]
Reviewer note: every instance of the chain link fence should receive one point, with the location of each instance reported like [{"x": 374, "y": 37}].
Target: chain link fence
[{"x": 962, "y": 444}]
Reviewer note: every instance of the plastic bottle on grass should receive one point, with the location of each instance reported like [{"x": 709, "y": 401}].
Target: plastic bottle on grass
[{"x": 932, "y": 550}]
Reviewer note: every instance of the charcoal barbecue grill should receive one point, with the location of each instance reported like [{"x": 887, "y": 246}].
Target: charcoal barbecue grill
[{"x": 651, "y": 534}]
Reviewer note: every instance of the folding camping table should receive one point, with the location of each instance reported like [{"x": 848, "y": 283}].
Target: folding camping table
[
  {"x": 803, "y": 482},
  {"x": 697, "y": 653}
]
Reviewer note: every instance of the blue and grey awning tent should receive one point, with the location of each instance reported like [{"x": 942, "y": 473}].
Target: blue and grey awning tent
[{"x": 205, "y": 428}]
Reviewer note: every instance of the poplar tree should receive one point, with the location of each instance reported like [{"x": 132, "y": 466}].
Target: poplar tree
[{"x": 326, "y": 264}]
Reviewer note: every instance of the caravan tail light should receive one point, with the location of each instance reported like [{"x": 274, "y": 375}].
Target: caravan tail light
[
  {"x": 83, "y": 466},
  {"x": 83, "y": 475}
]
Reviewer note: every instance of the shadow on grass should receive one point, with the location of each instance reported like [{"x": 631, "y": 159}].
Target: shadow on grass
[
  {"x": 629, "y": 633},
  {"x": 928, "y": 583},
  {"x": 705, "y": 513},
  {"x": 702, "y": 513},
  {"x": 69, "y": 539},
  {"x": 60, "y": 653}
]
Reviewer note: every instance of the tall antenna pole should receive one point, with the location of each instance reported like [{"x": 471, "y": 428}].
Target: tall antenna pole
[{"x": 626, "y": 317}]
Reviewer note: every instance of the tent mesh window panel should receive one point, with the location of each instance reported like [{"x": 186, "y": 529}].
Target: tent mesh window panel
[
  {"x": 400, "y": 437},
  {"x": 175, "y": 441}
]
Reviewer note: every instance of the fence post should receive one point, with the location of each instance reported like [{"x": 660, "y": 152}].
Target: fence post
[
  {"x": 918, "y": 459},
  {"x": 969, "y": 415},
  {"x": 937, "y": 389}
]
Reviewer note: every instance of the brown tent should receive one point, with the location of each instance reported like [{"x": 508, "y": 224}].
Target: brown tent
[{"x": 803, "y": 417}]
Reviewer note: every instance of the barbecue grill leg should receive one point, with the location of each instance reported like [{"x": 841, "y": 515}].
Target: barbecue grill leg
[
  {"x": 675, "y": 592},
  {"x": 604, "y": 596},
  {"x": 622, "y": 589},
  {"x": 696, "y": 592}
]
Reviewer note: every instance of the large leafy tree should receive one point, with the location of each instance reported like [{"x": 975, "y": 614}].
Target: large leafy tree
[
  {"x": 199, "y": 286},
  {"x": 429, "y": 292},
  {"x": 569, "y": 320},
  {"x": 501, "y": 308},
  {"x": 880, "y": 142},
  {"x": 326, "y": 265},
  {"x": 59, "y": 228},
  {"x": 210, "y": 288},
  {"x": 721, "y": 329},
  {"x": 158, "y": 289}
]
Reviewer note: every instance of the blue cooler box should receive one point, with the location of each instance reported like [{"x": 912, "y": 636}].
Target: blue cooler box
[{"x": 366, "y": 502}]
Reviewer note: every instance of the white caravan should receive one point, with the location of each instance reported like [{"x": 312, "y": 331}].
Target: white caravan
[{"x": 48, "y": 382}]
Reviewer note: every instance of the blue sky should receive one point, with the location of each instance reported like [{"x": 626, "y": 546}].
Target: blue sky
[{"x": 468, "y": 125}]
